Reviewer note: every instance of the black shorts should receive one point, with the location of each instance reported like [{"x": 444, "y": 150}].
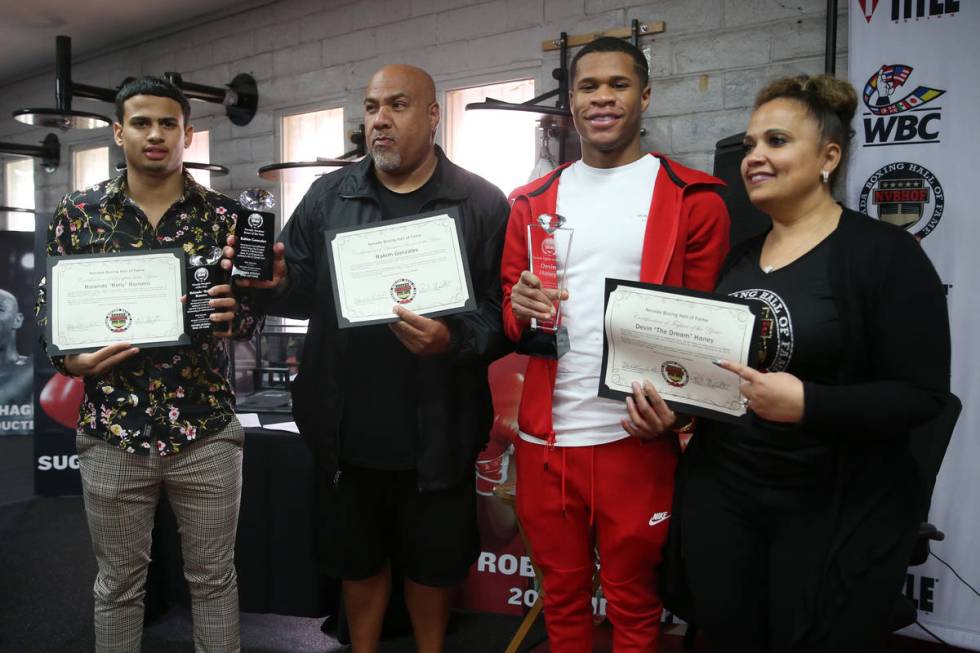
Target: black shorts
[{"x": 371, "y": 517}]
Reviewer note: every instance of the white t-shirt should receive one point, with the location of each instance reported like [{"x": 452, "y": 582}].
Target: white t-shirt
[{"x": 608, "y": 210}]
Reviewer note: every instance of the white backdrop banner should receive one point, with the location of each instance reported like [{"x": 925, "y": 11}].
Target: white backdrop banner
[{"x": 916, "y": 162}]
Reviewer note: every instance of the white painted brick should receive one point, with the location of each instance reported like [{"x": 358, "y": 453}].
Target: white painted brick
[
  {"x": 401, "y": 36},
  {"x": 211, "y": 76},
  {"x": 753, "y": 12},
  {"x": 803, "y": 38},
  {"x": 295, "y": 90},
  {"x": 741, "y": 86},
  {"x": 716, "y": 51},
  {"x": 192, "y": 57},
  {"x": 259, "y": 66},
  {"x": 659, "y": 57},
  {"x": 379, "y": 12},
  {"x": 684, "y": 95},
  {"x": 264, "y": 148},
  {"x": 329, "y": 23},
  {"x": 681, "y": 17},
  {"x": 560, "y": 10},
  {"x": 704, "y": 161},
  {"x": 523, "y": 13},
  {"x": 349, "y": 47},
  {"x": 657, "y": 138},
  {"x": 273, "y": 37},
  {"x": 232, "y": 48},
  {"x": 700, "y": 132},
  {"x": 297, "y": 59},
  {"x": 425, "y": 7},
  {"x": 158, "y": 65},
  {"x": 503, "y": 49},
  {"x": 470, "y": 22}
]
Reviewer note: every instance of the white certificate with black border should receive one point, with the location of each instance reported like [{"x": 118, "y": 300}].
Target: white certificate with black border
[
  {"x": 94, "y": 300},
  {"x": 670, "y": 336},
  {"x": 418, "y": 262}
]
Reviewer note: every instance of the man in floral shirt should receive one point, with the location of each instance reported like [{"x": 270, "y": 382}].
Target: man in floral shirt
[{"x": 163, "y": 416}]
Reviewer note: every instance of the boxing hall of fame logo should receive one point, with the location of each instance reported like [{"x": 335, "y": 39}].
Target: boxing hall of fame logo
[
  {"x": 118, "y": 320},
  {"x": 674, "y": 374},
  {"x": 403, "y": 291},
  {"x": 904, "y": 194}
]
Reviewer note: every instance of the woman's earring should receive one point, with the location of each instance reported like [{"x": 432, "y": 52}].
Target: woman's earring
[{"x": 826, "y": 176}]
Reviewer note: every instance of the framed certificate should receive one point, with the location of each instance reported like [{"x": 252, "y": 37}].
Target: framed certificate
[
  {"x": 418, "y": 262},
  {"x": 95, "y": 300},
  {"x": 670, "y": 336}
]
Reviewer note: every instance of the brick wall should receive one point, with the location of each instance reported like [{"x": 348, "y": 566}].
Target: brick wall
[{"x": 705, "y": 68}]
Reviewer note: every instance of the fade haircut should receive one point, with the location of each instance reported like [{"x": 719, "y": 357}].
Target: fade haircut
[
  {"x": 613, "y": 44},
  {"x": 150, "y": 85}
]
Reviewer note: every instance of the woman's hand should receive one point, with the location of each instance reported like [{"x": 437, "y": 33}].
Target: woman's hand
[{"x": 775, "y": 396}]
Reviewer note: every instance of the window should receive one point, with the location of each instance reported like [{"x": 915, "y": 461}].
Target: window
[
  {"x": 89, "y": 167},
  {"x": 497, "y": 145},
  {"x": 306, "y": 136},
  {"x": 200, "y": 152},
  {"x": 18, "y": 175}
]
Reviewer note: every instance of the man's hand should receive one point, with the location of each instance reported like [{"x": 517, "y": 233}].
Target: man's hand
[
  {"x": 224, "y": 304},
  {"x": 529, "y": 300},
  {"x": 419, "y": 334},
  {"x": 278, "y": 280},
  {"x": 649, "y": 415},
  {"x": 97, "y": 362},
  {"x": 775, "y": 396}
]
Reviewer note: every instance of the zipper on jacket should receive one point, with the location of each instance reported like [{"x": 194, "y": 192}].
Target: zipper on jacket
[{"x": 336, "y": 478}]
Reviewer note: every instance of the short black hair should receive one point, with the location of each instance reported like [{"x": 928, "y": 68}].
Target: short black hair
[
  {"x": 613, "y": 44},
  {"x": 150, "y": 85}
]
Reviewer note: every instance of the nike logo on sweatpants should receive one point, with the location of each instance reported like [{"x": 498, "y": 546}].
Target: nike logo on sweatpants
[{"x": 659, "y": 517}]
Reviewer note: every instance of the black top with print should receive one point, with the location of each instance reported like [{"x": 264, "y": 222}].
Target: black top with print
[{"x": 800, "y": 333}]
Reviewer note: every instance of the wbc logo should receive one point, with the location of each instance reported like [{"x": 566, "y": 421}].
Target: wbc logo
[{"x": 882, "y": 123}]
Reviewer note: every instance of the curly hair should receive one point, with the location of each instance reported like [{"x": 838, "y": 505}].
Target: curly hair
[{"x": 831, "y": 102}]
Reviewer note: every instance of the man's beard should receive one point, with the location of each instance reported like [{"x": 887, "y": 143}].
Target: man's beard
[{"x": 387, "y": 160}]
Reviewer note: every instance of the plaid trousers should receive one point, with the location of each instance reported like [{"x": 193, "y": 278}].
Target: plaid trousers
[{"x": 121, "y": 491}]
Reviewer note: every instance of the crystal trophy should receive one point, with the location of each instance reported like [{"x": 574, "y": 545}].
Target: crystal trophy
[
  {"x": 254, "y": 233},
  {"x": 548, "y": 245}
]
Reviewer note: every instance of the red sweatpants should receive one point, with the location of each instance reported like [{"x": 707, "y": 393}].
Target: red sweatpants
[{"x": 615, "y": 497}]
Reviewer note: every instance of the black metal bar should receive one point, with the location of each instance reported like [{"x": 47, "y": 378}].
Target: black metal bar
[
  {"x": 535, "y": 99},
  {"x": 94, "y": 92},
  {"x": 20, "y": 149},
  {"x": 62, "y": 73},
  {"x": 563, "y": 83},
  {"x": 830, "y": 52},
  {"x": 635, "y": 32},
  {"x": 49, "y": 151}
]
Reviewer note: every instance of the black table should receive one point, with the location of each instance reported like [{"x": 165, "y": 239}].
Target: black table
[{"x": 274, "y": 552}]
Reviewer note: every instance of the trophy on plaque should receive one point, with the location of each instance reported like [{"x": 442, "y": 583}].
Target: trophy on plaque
[
  {"x": 548, "y": 245},
  {"x": 255, "y": 234},
  {"x": 203, "y": 272}
]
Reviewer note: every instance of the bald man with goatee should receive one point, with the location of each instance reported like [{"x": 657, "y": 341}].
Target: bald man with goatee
[{"x": 395, "y": 413}]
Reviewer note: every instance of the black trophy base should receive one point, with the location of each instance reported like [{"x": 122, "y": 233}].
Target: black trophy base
[
  {"x": 197, "y": 310},
  {"x": 255, "y": 235},
  {"x": 544, "y": 344}
]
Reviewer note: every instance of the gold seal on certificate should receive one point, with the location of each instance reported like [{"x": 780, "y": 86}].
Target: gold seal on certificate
[
  {"x": 670, "y": 336},
  {"x": 417, "y": 262},
  {"x": 95, "y": 300}
]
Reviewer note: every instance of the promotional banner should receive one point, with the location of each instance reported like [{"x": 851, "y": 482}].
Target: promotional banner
[
  {"x": 57, "y": 398},
  {"x": 16, "y": 333},
  {"x": 914, "y": 164}
]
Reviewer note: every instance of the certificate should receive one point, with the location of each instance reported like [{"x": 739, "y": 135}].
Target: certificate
[
  {"x": 417, "y": 262},
  {"x": 95, "y": 300},
  {"x": 670, "y": 337}
]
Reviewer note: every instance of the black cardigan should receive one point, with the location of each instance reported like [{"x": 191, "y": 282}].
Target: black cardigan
[{"x": 894, "y": 377}]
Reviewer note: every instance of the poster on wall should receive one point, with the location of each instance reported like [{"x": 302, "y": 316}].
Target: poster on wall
[
  {"x": 913, "y": 164},
  {"x": 16, "y": 333},
  {"x": 57, "y": 398},
  {"x": 502, "y": 580}
]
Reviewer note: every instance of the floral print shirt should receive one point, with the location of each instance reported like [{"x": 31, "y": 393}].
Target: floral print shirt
[{"x": 163, "y": 398}]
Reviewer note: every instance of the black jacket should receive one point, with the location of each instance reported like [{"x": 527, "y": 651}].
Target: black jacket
[
  {"x": 895, "y": 377},
  {"x": 454, "y": 409}
]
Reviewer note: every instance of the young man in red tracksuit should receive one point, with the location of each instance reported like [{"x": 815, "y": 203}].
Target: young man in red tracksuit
[{"x": 592, "y": 472}]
